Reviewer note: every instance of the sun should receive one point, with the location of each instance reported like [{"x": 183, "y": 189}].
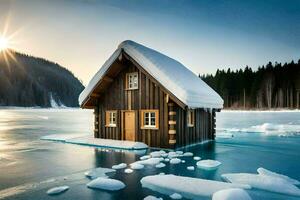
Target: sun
[{"x": 3, "y": 43}]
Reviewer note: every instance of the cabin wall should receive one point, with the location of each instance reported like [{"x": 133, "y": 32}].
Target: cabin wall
[
  {"x": 203, "y": 129},
  {"x": 173, "y": 131},
  {"x": 148, "y": 96}
]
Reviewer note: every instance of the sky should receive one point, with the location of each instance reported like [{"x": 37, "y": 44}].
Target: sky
[{"x": 203, "y": 35}]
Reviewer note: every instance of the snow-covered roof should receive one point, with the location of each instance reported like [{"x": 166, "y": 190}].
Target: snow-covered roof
[{"x": 174, "y": 76}]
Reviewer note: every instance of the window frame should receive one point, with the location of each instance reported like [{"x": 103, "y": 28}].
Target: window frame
[
  {"x": 128, "y": 79},
  {"x": 190, "y": 118},
  {"x": 143, "y": 118},
  {"x": 109, "y": 116}
]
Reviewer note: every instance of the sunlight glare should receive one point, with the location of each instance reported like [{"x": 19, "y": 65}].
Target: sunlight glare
[{"x": 3, "y": 43}]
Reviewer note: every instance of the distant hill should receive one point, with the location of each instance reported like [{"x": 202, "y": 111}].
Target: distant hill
[
  {"x": 270, "y": 87},
  {"x": 29, "y": 81}
]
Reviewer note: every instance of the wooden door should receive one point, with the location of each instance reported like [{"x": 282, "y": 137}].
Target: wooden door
[{"x": 129, "y": 125}]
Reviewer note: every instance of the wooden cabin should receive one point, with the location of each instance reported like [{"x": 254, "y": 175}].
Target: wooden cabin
[{"x": 142, "y": 95}]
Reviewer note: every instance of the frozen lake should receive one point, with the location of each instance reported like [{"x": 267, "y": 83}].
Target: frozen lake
[{"x": 30, "y": 166}]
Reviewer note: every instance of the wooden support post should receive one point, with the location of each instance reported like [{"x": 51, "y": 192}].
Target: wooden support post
[{"x": 172, "y": 123}]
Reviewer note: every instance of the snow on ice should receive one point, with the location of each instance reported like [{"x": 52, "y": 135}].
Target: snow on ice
[
  {"x": 57, "y": 190},
  {"x": 266, "y": 172},
  {"x": 208, "y": 164},
  {"x": 106, "y": 184},
  {"x": 191, "y": 188},
  {"x": 98, "y": 172},
  {"x": 231, "y": 194},
  {"x": 119, "y": 166},
  {"x": 263, "y": 182},
  {"x": 175, "y": 161}
]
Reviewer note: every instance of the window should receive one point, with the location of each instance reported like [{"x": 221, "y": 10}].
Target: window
[
  {"x": 132, "y": 81},
  {"x": 190, "y": 118},
  {"x": 149, "y": 119},
  {"x": 111, "y": 118}
]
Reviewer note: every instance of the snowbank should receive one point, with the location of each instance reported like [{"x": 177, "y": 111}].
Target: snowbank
[
  {"x": 231, "y": 194},
  {"x": 208, "y": 164},
  {"x": 266, "y": 129},
  {"x": 106, "y": 184},
  {"x": 57, "y": 190},
  {"x": 191, "y": 188},
  {"x": 89, "y": 140},
  {"x": 119, "y": 166},
  {"x": 263, "y": 182},
  {"x": 98, "y": 172},
  {"x": 62, "y": 137},
  {"x": 266, "y": 172}
]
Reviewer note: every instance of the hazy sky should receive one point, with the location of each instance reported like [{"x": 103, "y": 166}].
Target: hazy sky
[{"x": 203, "y": 35}]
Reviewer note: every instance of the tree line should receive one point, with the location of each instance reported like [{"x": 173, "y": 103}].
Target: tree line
[
  {"x": 274, "y": 85},
  {"x": 30, "y": 81}
]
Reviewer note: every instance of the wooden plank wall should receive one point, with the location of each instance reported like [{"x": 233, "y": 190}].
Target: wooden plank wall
[
  {"x": 202, "y": 130},
  {"x": 148, "y": 96}
]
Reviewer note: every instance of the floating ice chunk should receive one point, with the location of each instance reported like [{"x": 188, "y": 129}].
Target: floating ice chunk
[
  {"x": 90, "y": 140},
  {"x": 263, "y": 182},
  {"x": 175, "y": 196},
  {"x": 98, "y": 172},
  {"x": 145, "y": 157},
  {"x": 150, "y": 197},
  {"x": 150, "y": 161},
  {"x": 167, "y": 159},
  {"x": 183, "y": 161},
  {"x": 119, "y": 166},
  {"x": 188, "y": 154},
  {"x": 197, "y": 158},
  {"x": 128, "y": 171},
  {"x": 106, "y": 184},
  {"x": 164, "y": 155},
  {"x": 172, "y": 154},
  {"x": 57, "y": 190},
  {"x": 179, "y": 152},
  {"x": 231, "y": 194},
  {"x": 157, "y": 154},
  {"x": 208, "y": 164},
  {"x": 175, "y": 161},
  {"x": 161, "y": 173},
  {"x": 160, "y": 165},
  {"x": 191, "y": 168},
  {"x": 136, "y": 166},
  {"x": 266, "y": 172},
  {"x": 190, "y": 188}
]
